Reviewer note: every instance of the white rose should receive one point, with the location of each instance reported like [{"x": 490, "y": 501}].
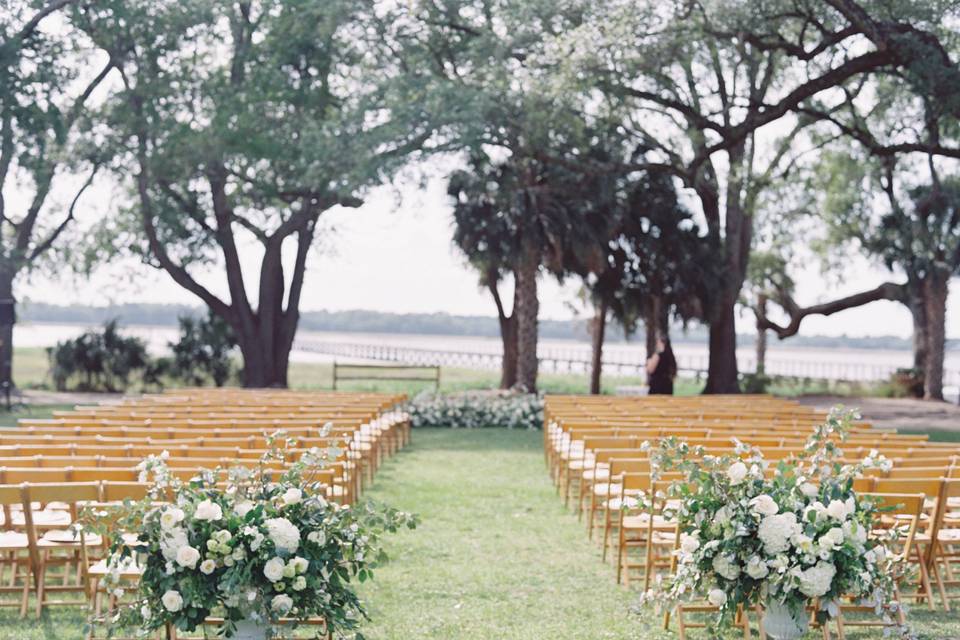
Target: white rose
[
  {"x": 722, "y": 516},
  {"x": 764, "y": 505},
  {"x": 223, "y": 536},
  {"x": 837, "y": 510},
  {"x": 802, "y": 542},
  {"x": 816, "y": 581},
  {"x": 187, "y": 557},
  {"x": 726, "y": 566},
  {"x": 879, "y": 552},
  {"x": 281, "y": 603},
  {"x": 243, "y": 508},
  {"x": 289, "y": 570},
  {"x": 292, "y": 496},
  {"x": 172, "y": 601},
  {"x": 283, "y": 533},
  {"x": 757, "y": 568},
  {"x": 717, "y": 597},
  {"x": 208, "y": 566},
  {"x": 300, "y": 583},
  {"x": 855, "y": 531},
  {"x": 832, "y": 538},
  {"x": 208, "y": 510},
  {"x": 273, "y": 569},
  {"x": 256, "y": 538},
  {"x": 170, "y": 542},
  {"x": 318, "y": 538},
  {"x": 145, "y": 612},
  {"x": 809, "y": 489},
  {"x": 300, "y": 565},
  {"x": 817, "y": 509},
  {"x": 689, "y": 543},
  {"x": 171, "y": 517},
  {"x": 737, "y": 473}
]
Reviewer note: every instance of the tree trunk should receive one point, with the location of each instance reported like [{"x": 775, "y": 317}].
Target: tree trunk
[
  {"x": 916, "y": 302},
  {"x": 761, "y": 337},
  {"x": 6, "y": 329},
  {"x": 526, "y": 311},
  {"x": 262, "y": 366},
  {"x": 599, "y": 326},
  {"x": 722, "y": 367},
  {"x": 508, "y": 335},
  {"x": 936, "y": 286}
]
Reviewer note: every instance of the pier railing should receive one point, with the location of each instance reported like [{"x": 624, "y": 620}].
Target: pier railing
[{"x": 577, "y": 360}]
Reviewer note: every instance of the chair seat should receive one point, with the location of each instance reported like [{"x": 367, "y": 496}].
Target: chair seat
[
  {"x": 44, "y": 518},
  {"x": 606, "y": 489},
  {"x": 63, "y": 538},
  {"x": 599, "y": 473},
  {"x": 615, "y": 504},
  {"x": 949, "y": 535},
  {"x": 642, "y": 521},
  {"x": 13, "y": 540},
  {"x": 129, "y": 570}
]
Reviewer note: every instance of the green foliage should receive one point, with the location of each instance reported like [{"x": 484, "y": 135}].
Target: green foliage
[
  {"x": 204, "y": 351},
  {"x": 97, "y": 361},
  {"x": 754, "y": 382}
]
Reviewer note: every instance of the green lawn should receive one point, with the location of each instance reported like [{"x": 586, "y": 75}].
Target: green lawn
[{"x": 496, "y": 556}]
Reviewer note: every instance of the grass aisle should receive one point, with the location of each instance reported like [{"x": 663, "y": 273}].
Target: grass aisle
[{"x": 496, "y": 556}]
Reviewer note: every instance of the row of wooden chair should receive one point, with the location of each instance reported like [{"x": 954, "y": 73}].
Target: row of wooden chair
[
  {"x": 597, "y": 451},
  {"x": 49, "y": 466}
]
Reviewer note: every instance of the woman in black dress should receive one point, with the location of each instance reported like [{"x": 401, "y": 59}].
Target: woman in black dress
[{"x": 661, "y": 368}]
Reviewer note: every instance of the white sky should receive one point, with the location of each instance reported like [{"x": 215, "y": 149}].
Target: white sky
[{"x": 396, "y": 254}]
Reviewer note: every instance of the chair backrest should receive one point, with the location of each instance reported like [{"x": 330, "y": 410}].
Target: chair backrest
[
  {"x": 903, "y": 509},
  {"x": 117, "y": 491}
]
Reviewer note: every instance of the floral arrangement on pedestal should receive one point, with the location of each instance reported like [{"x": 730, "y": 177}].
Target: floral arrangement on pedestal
[
  {"x": 250, "y": 545},
  {"x": 782, "y": 541}
]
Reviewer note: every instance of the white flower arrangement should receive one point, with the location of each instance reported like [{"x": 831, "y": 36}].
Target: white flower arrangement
[
  {"x": 244, "y": 546},
  {"x": 788, "y": 538},
  {"x": 477, "y": 410}
]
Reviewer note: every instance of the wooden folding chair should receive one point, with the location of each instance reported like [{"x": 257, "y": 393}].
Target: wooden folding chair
[
  {"x": 16, "y": 571},
  {"x": 903, "y": 516},
  {"x": 943, "y": 556},
  {"x": 63, "y": 548}
]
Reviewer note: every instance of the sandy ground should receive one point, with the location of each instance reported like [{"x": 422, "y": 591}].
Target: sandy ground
[
  {"x": 37, "y": 396},
  {"x": 896, "y": 413}
]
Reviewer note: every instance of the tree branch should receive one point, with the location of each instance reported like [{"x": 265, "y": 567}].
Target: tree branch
[
  {"x": 48, "y": 242},
  {"x": 38, "y": 17},
  {"x": 796, "y": 313}
]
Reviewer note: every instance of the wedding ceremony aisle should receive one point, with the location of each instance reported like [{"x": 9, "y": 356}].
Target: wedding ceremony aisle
[{"x": 495, "y": 555}]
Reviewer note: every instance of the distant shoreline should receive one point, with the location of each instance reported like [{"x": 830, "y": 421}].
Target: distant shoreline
[{"x": 164, "y": 316}]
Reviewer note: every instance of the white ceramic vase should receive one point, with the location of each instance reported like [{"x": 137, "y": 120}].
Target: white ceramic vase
[
  {"x": 249, "y": 630},
  {"x": 780, "y": 623}
]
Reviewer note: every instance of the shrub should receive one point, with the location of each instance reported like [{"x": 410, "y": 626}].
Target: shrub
[
  {"x": 472, "y": 410},
  {"x": 97, "y": 361},
  {"x": 907, "y": 383},
  {"x": 754, "y": 382},
  {"x": 203, "y": 351}
]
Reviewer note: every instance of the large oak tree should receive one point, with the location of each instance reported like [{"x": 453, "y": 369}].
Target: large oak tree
[{"x": 241, "y": 123}]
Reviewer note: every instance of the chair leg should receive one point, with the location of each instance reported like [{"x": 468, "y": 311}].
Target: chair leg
[
  {"x": 935, "y": 567},
  {"x": 925, "y": 578}
]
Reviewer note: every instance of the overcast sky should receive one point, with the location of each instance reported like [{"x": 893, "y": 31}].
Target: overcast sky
[{"x": 395, "y": 254}]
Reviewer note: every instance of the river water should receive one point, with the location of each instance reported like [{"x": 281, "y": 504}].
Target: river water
[{"x": 849, "y": 364}]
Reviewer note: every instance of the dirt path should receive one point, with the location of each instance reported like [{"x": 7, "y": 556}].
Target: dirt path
[{"x": 896, "y": 413}]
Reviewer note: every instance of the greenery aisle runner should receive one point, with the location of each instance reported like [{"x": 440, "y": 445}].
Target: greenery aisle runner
[{"x": 495, "y": 556}]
